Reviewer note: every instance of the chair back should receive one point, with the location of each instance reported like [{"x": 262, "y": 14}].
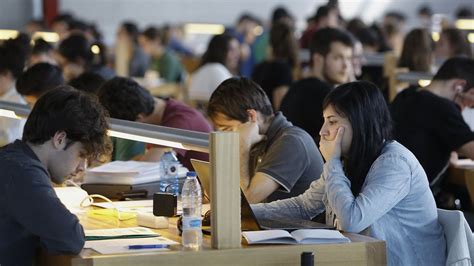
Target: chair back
[{"x": 459, "y": 238}]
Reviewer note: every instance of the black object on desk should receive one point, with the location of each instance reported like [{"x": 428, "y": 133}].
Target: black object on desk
[
  {"x": 165, "y": 204},
  {"x": 121, "y": 192},
  {"x": 307, "y": 259}
]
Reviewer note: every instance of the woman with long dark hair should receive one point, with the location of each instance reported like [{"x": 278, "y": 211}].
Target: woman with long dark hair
[
  {"x": 217, "y": 64},
  {"x": 370, "y": 184}
]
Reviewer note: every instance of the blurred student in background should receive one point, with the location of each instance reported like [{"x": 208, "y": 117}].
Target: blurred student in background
[
  {"x": 217, "y": 64},
  {"x": 163, "y": 60},
  {"x": 276, "y": 74}
]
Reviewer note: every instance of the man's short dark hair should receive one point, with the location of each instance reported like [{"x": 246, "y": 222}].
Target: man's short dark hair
[
  {"x": 322, "y": 39},
  {"x": 41, "y": 47},
  {"x": 39, "y": 79},
  {"x": 235, "y": 96},
  {"x": 88, "y": 81},
  {"x": 78, "y": 114},
  {"x": 153, "y": 34},
  {"x": 126, "y": 99},
  {"x": 12, "y": 59},
  {"x": 76, "y": 48},
  {"x": 457, "y": 68}
]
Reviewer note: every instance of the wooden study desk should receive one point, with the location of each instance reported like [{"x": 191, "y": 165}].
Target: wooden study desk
[
  {"x": 361, "y": 251},
  {"x": 463, "y": 176}
]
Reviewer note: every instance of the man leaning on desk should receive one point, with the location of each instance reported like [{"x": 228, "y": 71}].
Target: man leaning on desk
[{"x": 65, "y": 128}]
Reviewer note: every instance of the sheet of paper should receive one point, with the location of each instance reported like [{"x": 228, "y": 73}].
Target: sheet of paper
[
  {"x": 121, "y": 245},
  {"x": 71, "y": 197},
  {"x": 464, "y": 163},
  {"x": 118, "y": 232},
  {"x": 128, "y": 206}
]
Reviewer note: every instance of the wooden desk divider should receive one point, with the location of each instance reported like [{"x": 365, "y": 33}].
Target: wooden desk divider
[{"x": 225, "y": 189}]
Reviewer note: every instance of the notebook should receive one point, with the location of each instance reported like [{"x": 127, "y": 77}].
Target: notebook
[
  {"x": 301, "y": 236},
  {"x": 248, "y": 220}
]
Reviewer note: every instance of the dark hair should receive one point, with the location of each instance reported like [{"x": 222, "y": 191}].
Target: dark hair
[
  {"x": 464, "y": 12},
  {"x": 131, "y": 29},
  {"x": 457, "y": 68},
  {"x": 125, "y": 99},
  {"x": 39, "y": 79},
  {"x": 417, "y": 52},
  {"x": 153, "y": 34},
  {"x": 355, "y": 25},
  {"x": 279, "y": 13},
  {"x": 322, "y": 39},
  {"x": 64, "y": 17},
  {"x": 41, "y": 47},
  {"x": 74, "y": 112},
  {"x": 247, "y": 16},
  {"x": 88, "y": 81},
  {"x": 323, "y": 11},
  {"x": 399, "y": 17},
  {"x": 234, "y": 96},
  {"x": 12, "y": 59},
  {"x": 368, "y": 36},
  {"x": 425, "y": 10},
  {"x": 364, "y": 106},
  {"x": 217, "y": 49},
  {"x": 457, "y": 41},
  {"x": 283, "y": 43},
  {"x": 76, "y": 48}
]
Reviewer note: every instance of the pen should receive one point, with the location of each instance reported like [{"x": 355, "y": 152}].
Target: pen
[{"x": 147, "y": 246}]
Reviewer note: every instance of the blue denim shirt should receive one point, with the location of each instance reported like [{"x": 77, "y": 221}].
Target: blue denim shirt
[
  {"x": 31, "y": 215},
  {"x": 394, "y": 205}
]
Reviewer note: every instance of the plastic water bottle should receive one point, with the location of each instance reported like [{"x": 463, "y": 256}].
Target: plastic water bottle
[
  {"x": 192, "y": 205},
  {"x": 169, "y": 182}
]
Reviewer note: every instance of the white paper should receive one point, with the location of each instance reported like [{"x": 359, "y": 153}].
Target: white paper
[
  {"x": 71, "y": 197},
  {"x": 128, "y": 206},
  {"x": 120, "y": 232},
  {"x": 112, "y": 246}
]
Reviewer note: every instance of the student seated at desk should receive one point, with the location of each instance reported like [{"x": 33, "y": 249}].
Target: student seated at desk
[
  {"x": 125, "y": 99},
  {"x": 370, "y": 183},
  {"x": 278, "y": 160},
  {"x": 65, "y": 128},
  {"x": 429, "y": 123}
]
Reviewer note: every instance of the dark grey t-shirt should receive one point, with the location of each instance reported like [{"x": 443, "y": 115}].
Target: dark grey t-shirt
[{"x": 289, "y": 155}]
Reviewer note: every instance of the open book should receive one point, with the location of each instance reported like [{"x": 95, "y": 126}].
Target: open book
[{"x": 301, "y": 236}]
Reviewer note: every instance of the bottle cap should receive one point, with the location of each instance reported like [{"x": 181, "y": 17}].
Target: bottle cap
[{"x": 191, "y": 174}]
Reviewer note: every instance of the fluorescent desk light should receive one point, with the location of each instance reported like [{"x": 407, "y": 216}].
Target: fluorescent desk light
[
  {"x": 465, "y": 24},
  {"x": 197, "y": 28},
  {"x": 165, "y": 136},
  {"x": 47, "y": 36},
  {"x": 8, "y": 34}
]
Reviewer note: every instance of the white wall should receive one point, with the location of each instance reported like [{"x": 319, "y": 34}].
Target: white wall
[
  {"x": 109, "y": 13},
  {"x": 14, "y": 14}
]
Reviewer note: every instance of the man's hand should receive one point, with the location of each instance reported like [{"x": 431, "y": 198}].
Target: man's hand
[
  {"x": 332, "y": 149},
  {"x": 249, "y": 135}
]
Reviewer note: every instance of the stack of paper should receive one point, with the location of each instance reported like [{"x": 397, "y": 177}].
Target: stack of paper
[{"x": 127, "y": 173}]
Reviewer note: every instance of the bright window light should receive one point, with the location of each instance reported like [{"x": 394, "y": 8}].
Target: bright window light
[
  {"x": 8, "y": 34},
  {"x": 212, "y": 29}
]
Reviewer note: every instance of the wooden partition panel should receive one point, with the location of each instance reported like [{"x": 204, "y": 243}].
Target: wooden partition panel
[{"x": 225, "y": 190}]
